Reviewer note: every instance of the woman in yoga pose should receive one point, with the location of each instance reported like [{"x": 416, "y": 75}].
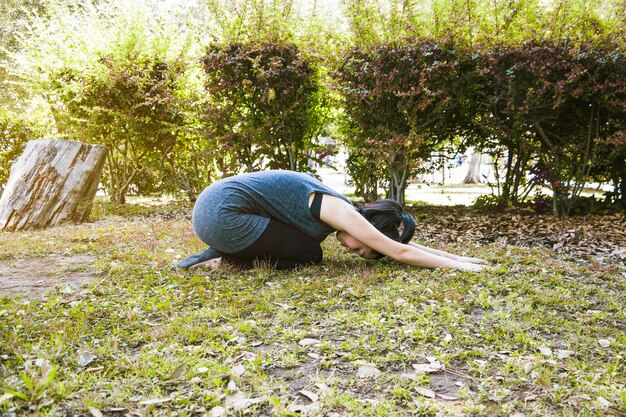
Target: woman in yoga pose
[{"x": 281, "y": 217}]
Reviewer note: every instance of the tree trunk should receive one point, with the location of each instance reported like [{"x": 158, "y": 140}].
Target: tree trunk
[
  {"x": 473, "y": 173},
  {"x": 398, "y": 180},
  {"x": 53, "y": 181}
]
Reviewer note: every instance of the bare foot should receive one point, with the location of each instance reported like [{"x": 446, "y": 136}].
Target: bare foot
[{"x": 211, "y": 264}]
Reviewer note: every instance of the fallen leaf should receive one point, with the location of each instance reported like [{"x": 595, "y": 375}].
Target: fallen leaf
[
  {"x": 95, "y": 412},
  {"x": 238, "y": 370},
  {"x": 480, "y": 362},
  {"x": 218, "y": 411},
  {"x": 309, "y": 342},
  {"x": 447, "y": 338},
  {"x": 545, "y": 350},
  {"x": 5, "y": 397},
  {"x": 427, "y": 368},
  {"x": 237, "y": 401},
  {"x": 178, "y": 372},
  {"x": 238, "y": 339},
  {"x": 604, "y": 343},
  {"x": 604, "y": 403},
  {"x": 425, "y": 392},
  {"x": 447, "y": 397},
  {"x": 563, "y": 354},
  {"x": 322, "y": 387},
  {"x": 305, "y": 410},
  {"x": 528, "y": 366},
  {"x": 154, "y": 401},
  {"x": 69, "y": 289},
  {"x": 310, "y": 395},
  {"x": 85, "y": 358},
  {"x": 367, "y": 371}
]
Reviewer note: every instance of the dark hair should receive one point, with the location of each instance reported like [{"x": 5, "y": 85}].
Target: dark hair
[{"x": 387, "y": 216}]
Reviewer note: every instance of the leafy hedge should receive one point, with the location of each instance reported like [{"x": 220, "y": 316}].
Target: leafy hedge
[
  {"x": 402, "y": 100},
  {"x": 266, "y": 105},
  {"x": 128, "y": 103},
  {"x": 559, "y": 111},
  {"x": 539, "y": 88},
  {"x": 554, "y": 111}
]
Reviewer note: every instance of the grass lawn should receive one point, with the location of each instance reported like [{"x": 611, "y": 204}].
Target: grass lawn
[{"x": 543, "y": 333}]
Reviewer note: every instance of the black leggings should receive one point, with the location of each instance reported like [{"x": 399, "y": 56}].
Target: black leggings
[{"x": 280, "y": 246}]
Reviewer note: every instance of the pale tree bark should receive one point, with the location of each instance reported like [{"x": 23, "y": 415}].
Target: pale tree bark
[
  {"x": 473, "y": 173},
  {"x": 398, "y": 180},
  {"x": 53, "y": 181}
]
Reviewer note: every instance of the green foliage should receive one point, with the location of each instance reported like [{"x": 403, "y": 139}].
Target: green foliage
[
  {"x": 15, "y": 131},
  {"x": 485, "y": 21},
  {"x": 13, "y": 138},
  {"x": 310, "y": 25},
  {"x": 128, "y": 104},
  {"x": 249, "y": 20},
  {"x": 14, "y": 15},
  {"x": 479, "y": 25},
  {"x": 115, "y": 74},
  {"x": 373, "y": 22},
  {"x": 267, "y": 104},
  {"x": 553, "y": 105},
  {"x": 153, "y": 81},
  {"x": 402, "y": 100}
]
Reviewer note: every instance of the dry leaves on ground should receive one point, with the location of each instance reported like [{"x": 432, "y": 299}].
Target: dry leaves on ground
[{"x": 595, "y": 236}]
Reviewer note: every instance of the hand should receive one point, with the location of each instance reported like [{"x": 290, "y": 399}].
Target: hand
[{"x": 471, "y": 260}]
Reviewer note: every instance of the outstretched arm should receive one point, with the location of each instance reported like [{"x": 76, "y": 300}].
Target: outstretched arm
[
  {"x": 342, "y": 216},
  {"x": 448, "y": 255}
]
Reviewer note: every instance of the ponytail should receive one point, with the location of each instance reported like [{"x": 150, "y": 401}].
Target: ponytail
[{"x": 408, "y": 229}]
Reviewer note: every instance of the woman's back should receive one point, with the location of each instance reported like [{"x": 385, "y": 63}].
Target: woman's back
[{"x": 280, "y": 195}]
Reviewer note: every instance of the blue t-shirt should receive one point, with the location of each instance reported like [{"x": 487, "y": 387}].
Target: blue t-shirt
[{"x": 232, "y": 213}]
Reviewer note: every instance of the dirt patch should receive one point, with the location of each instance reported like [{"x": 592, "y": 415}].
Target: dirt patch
[
  {"x": 32, "y": 277},
  {"x": 446, "y": 385}
]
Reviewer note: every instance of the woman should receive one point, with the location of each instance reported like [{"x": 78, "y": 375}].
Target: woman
[{"x": 281, "y": 217}]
